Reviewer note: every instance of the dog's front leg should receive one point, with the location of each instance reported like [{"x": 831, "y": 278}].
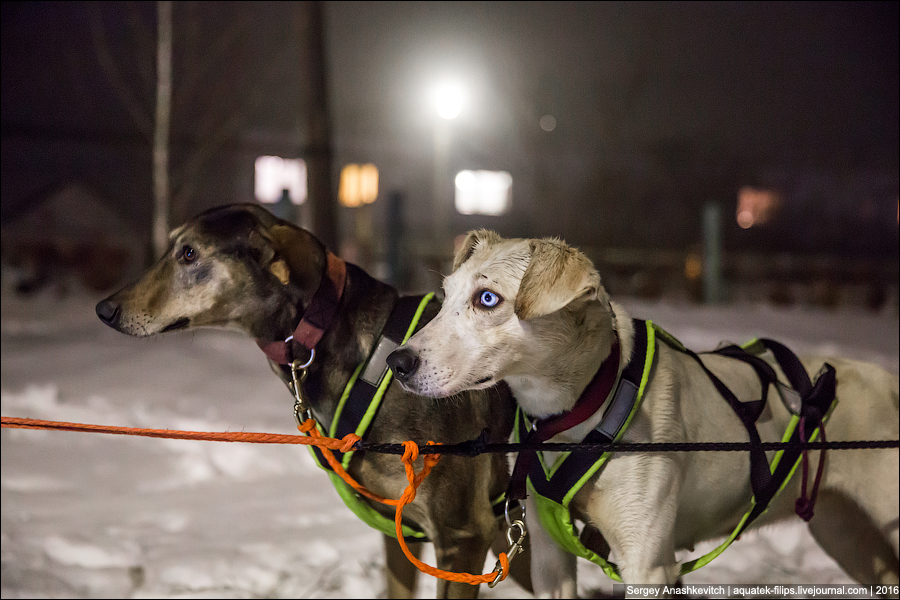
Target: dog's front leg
[
  {"x": 634, "y": 504},
  {"x": 553, "y": 570},
  {"x": 400, "y": 574}
]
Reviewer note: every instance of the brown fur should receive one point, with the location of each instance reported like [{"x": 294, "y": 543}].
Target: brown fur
[{"x": 252, "y": 271}]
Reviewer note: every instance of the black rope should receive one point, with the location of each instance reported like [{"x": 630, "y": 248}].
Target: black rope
[{"x": 473, "y": 447}]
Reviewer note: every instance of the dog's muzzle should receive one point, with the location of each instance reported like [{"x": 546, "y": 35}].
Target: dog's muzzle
[{"x": 404, "y": 362}]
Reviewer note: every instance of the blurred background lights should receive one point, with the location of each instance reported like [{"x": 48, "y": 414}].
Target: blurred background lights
[
  {"x": 483, "y": 192},
  {"x": 756, "y": 206},
  {"x": 548, "y": 123},
  {"x": 275, "y": 175},
  {"x": 448, "y": 99},
  {"x": 359, "y": 185}
]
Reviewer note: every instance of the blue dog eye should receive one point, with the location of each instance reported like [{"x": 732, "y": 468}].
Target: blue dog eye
[{"x": 488, "y": 299}]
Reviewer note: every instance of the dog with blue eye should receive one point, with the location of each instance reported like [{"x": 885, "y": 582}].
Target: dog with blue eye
[{"x": 533, "y": 313}]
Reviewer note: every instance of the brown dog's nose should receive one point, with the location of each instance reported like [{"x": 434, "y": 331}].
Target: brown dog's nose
[
  {"x": 403, "y": 362},
  {"x": 109, "y": 312}
]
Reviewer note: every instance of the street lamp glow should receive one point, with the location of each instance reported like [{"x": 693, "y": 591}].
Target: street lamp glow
[{"x": 448, "y": 99}]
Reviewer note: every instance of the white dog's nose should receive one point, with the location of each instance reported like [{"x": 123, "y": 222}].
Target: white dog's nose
[{"x": 404, "y": 363}]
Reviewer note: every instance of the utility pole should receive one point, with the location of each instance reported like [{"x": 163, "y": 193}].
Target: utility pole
[{"x": 314, "y": 90}]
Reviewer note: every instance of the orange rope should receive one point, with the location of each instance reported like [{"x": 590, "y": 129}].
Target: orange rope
[
  {"x": 410, "y": 454},
  {"x": 314, "y": 438},
  {"x": 224, "y": 436}
]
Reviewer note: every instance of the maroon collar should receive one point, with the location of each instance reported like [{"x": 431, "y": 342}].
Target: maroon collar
[
  {"x": 317, "y": 317},
  {"x": 590, "y": 401}
]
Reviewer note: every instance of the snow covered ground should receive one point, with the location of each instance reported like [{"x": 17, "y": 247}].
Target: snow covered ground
[{"x": 95, "y": 516}]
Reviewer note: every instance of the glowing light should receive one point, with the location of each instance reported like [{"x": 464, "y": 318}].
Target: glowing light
[
  {"x": 483, "y": 192},
  {"x": 449, "y": 99},
  {"x": 756, "y": 206},
  {"x": 693, "y": 267},
  {"x": 359, "y": 185},
  {"x": 548, "y": 123},
  {"x": 274, "y": 175}
]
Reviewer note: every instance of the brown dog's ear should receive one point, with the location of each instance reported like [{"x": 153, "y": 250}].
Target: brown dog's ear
[
  {"x": 474, "y": 237},
  {"x": 556, "y": 275},
  {"x": 298, "y": 256}
]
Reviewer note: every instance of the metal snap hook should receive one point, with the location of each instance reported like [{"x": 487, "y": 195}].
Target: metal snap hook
[
  {"x": 515, "y": 548},
  {"x": 302, "y": 410}
]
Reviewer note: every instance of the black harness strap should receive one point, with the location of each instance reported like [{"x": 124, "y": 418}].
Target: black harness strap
[
  {"x": 577, "y": 463},
  {"x": 761, "y": 481},
  {"x": 357, "y": 404},
  {"x": 588, "y": 403},
  {"x": 815, "y": 400}
]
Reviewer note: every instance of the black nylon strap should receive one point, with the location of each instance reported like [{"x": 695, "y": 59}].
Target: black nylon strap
[
  {"x": 578, "y": 463},
  {"x": 815, "y": 402},
  {"x": 357, "y": 404},
  {"x": 590, "y": 401},
  {"x": 761, "y": 481}
]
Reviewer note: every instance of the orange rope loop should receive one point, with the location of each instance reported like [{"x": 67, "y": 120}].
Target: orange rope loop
[{"x": 410, "y": 455}]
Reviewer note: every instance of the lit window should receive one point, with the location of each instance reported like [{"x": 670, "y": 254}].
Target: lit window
[
  {"x": 275, "y": 175},
  {"x": 359, "y": 185},
  {"x": 756, "y": 206},
  {"x": 483, "y": 192}
]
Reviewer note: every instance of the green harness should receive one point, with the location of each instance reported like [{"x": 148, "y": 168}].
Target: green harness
[
  {"x": 359, "y": 404},
  {"x": 553, "y": 486}
]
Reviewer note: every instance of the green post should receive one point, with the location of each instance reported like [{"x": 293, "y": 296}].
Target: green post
[{"x": 713, "y": 281}]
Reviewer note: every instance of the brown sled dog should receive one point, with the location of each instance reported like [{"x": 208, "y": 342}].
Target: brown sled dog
[{"x": 239, "y": 266}]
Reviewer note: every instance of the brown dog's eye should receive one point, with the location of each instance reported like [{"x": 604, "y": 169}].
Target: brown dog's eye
[{"x": 188, "y": 254}]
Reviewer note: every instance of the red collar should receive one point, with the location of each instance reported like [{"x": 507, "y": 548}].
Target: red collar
[
  {"x": 590, "y": 401},
  {"x": 317, "y": 317}
]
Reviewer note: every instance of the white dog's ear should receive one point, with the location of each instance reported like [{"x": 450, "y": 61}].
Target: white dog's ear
[
  {"x": 556, "y": 275},
  {"x": 473, "y": 239}
]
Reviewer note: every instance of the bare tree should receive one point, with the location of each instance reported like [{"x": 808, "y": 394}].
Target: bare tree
[
  {"x": 162, "y": 126},
  {"x": 206, "y": 89}
]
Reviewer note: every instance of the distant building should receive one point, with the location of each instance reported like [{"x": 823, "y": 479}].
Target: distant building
[{"x": 70, "y": 233}]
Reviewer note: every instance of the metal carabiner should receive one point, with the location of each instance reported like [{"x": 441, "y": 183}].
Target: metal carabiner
[
  {"x": 302, "y": 410},
  {"x": 514, "y": 549}
]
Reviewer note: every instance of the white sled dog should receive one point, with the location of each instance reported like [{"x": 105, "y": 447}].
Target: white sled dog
[{"x": 534, "y": 313}]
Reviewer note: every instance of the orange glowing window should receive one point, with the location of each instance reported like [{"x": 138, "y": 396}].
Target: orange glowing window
[
  {"x": 359, "y": 185},
  {"x": 756, "y": 206}
]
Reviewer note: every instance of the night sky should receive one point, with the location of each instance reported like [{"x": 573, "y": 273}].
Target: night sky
[{"x": 659, "y": 108}]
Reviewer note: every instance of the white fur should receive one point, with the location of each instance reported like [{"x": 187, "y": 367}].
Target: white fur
[{"x": 648, "y": 506}]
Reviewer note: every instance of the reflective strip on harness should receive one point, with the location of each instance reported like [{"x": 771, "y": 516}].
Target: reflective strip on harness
[
  {"x": 554, "y": 488},
  {"x": 358, "y": 406}
]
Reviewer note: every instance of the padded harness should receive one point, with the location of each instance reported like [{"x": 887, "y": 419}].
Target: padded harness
[
  {"x": 364, "y": 391},
  {"x": 360, "y": 403},
  {"x": 554, "y": 486}
]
